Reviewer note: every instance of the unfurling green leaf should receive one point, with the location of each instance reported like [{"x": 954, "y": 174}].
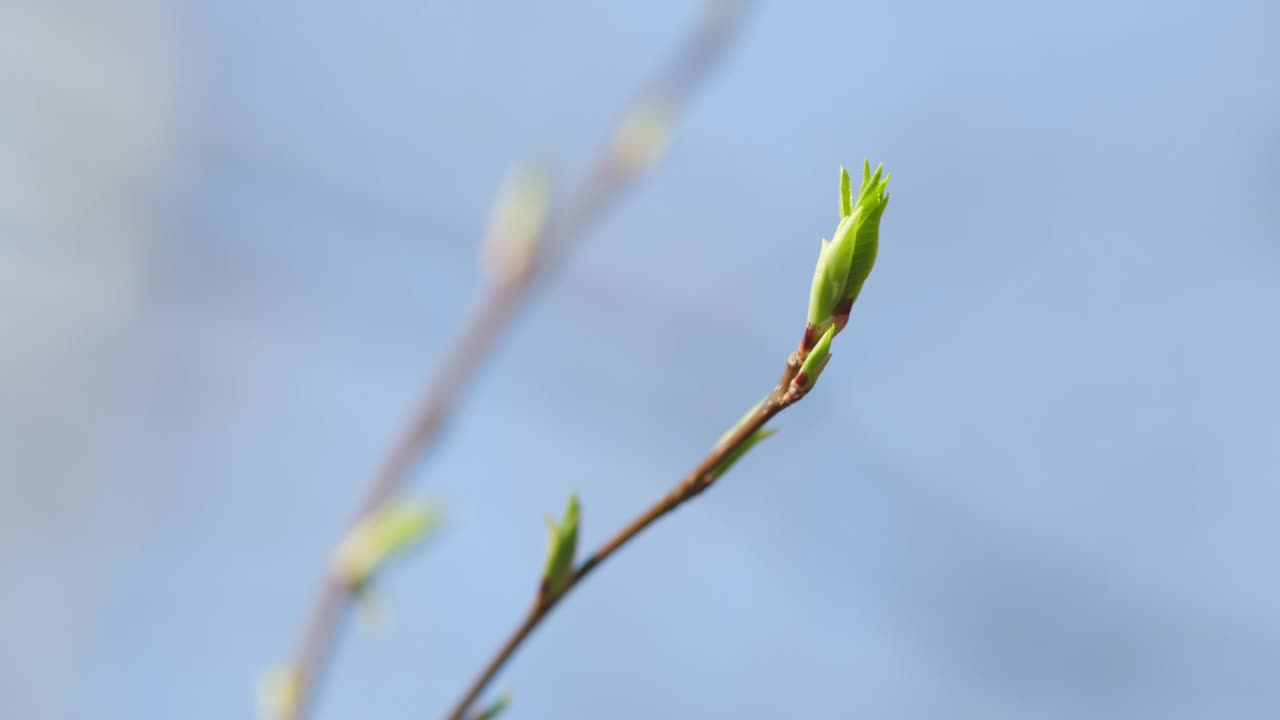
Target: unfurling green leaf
[
  {"x": 872, "y": 201},
  {"x": 380, "y": 535},
  {"x": 561, "y": 550},
  {"x": 733, "y": 457},
  {"x": 496, "y": 708},
  {"x": 845, "y": 263},
  {"x": 823, "y": 295},
  {"x": 279, "y": 691}
]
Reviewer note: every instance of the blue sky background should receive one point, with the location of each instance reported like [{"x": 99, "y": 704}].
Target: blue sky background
[{"x": 1039, "y": 479}]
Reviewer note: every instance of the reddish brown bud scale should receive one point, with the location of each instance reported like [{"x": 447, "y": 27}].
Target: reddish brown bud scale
[
  {"x": 801, "y": 382},
  {"x": 810, "y": 338}
]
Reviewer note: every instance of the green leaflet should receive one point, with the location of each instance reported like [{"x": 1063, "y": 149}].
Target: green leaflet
[
  {"x": 561, "y": 550},
  {"x": 822, "y": 294},
  {"x": 756, "y": 437},
  {"x": 846, "y": 194},
  {"x": 840, "y": 257},
  {"x": 817, "y": 360},
  {"x": 517, "y": 221},
  {"x": 872, "y": 201}
]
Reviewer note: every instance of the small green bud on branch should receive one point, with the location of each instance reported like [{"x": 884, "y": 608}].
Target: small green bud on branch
[
  {"x": 813, "y": 365},
  {"x": 560, "y": 551},
  {"x": 516, "y": 223}
]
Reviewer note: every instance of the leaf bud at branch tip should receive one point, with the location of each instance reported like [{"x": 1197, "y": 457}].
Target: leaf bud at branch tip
[
  {"x": 561, "y": 549},
  {"x": 844, "y": 263}
]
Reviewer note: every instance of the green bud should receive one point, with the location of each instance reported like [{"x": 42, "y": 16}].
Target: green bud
[
  {"x": 815, "y": 362},
  {"x": 381, "y": 534},
  {"x": 561, "y": 550},
  {"x": 756, "y": 437},
  {"x": 845, "y": 262}
]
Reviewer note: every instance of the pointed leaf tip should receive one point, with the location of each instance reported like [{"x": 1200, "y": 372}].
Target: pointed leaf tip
[
  {"x": 875, "y": 178},
  {"x": 846, "y": 193},
  {"x": 517, "y": 221}
]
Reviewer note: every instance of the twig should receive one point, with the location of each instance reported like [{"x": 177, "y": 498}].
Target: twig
[
  {"x": 699, "y": 479},
  {"x": 612, "y": 173}
]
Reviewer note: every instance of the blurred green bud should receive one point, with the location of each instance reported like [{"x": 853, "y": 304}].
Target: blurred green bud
[
  {"x": 560, "y": 551},
  {"x": 383, "y": 533},
  {"x": 815, "y": 362},
  {"x": 516, "y": 222},
  {"x": 845, "y": 262},
  {"x": 643, "y": 136}
]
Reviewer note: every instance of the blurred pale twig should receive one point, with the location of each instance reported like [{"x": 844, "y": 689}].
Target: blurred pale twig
[{"x": 636, "y": 145}]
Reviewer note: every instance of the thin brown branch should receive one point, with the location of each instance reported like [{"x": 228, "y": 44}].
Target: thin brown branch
[
  {"x": 698, "y": 480},
  {"x": 609, "y": 176}
]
